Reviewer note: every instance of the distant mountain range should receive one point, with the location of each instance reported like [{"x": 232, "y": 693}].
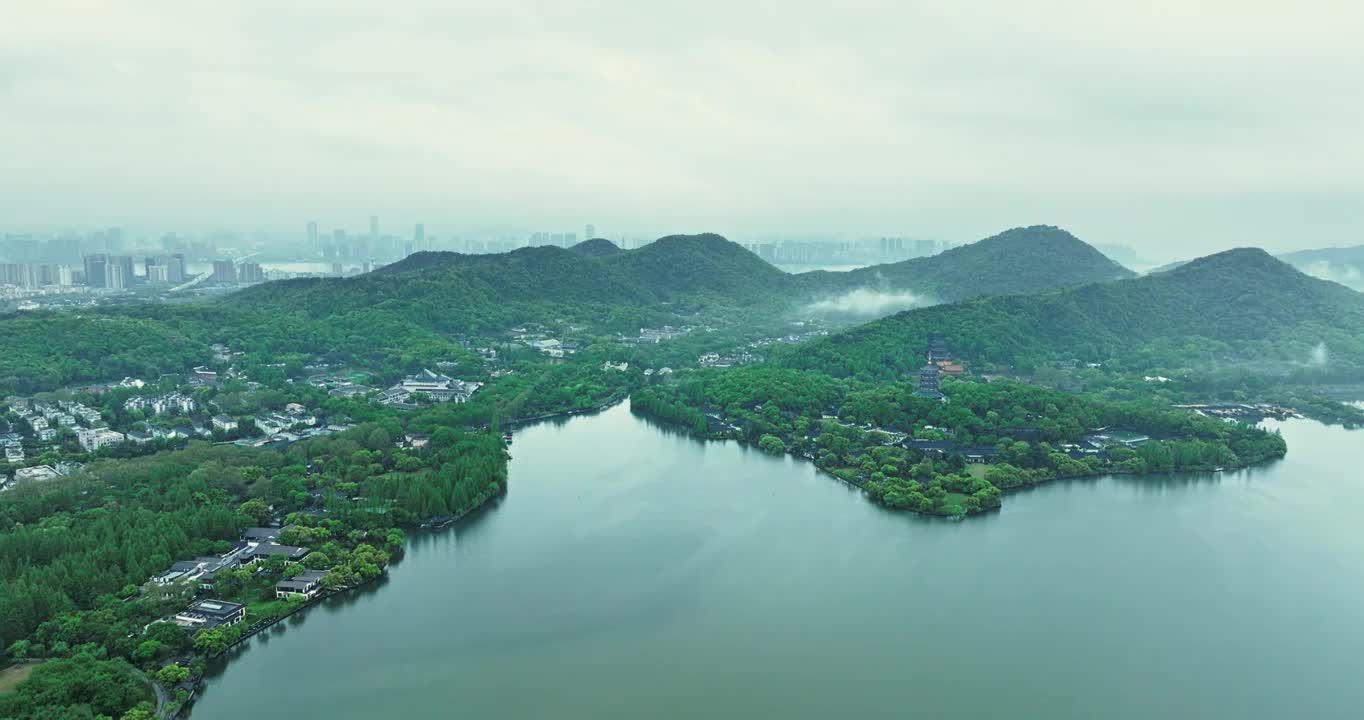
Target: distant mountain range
[
  {"x": 1342, "y": 265},
  {"x": 705, "y": 269},
  {"x": 1239, "y": 303},
  {"x": 1017, "y": 261}
]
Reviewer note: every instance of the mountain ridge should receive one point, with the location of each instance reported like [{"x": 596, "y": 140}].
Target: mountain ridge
[
  {"x": 703, "y": 270},
  {"x": 1016, "y": 261},
  {"x": 1238, "y": 302},
  {"x": 596, "y": 247}
]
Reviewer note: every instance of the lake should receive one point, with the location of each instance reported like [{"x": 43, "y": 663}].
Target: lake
[{"x": 634, "y": 572}]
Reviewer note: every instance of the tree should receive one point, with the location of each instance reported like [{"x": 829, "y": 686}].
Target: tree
[
  {"x": 141, "y": 711},
  {"x": 378, "y": 440},
  {"x": 172, "y": 675},
  {"x": 169, "y": 635},
  {"x": 771, "y": 444},
  {"x": 210, "y": 642},
  {"x": 147, "y": 650},
  {"x": 256, "y": 509}
]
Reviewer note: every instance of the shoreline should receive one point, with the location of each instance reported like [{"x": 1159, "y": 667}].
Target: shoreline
[
  {"x": 861, "y": 484},
  {"x": 186, "y": 710},
  {"x": 197, "y": 685},
  {"x": 531, "y": 420}
]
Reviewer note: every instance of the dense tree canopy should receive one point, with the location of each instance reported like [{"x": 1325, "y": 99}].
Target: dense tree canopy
[{"x": 847, "y": 428}]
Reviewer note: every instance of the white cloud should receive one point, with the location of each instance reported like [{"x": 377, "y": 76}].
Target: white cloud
[{"x": 867, "y": 303}]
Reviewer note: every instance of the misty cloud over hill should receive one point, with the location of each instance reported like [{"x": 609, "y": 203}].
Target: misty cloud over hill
[{"x": 868, "y": 303}]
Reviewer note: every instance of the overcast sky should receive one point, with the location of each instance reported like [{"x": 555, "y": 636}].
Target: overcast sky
[{"x": 1175, "y": 127}]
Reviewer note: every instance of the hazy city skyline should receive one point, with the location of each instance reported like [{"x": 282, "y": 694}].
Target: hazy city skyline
[{"x": 1176, "y": 130}]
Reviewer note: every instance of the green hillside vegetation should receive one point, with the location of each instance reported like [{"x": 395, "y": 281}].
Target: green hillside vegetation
[
  {"x": 694, "y": 270},
  {"x": 596, "y": 247},
  {"x": 1017, "y": 261},
  {"x": 49, "y": 350},
  {"x": 679, "y": 267},
  {"x": 1344, "y": 265},
  {"x": 456, "y": 282},
  {"x": 1240, "y": 308}
]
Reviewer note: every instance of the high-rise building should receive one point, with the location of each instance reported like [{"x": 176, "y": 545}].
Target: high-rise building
[
  {"x": 312, "y": 235},
  {"x": 892, "y": 246},
  {"x": 224, "y": 271},
  {"x": 46, "y": 274},
  {"x": 117, "y": 275},
  {"x": 175, "y": 268},
  {"x": 94, "y": 270},
  {"x": 374, "y": 228},
  {"x": 591, "y": 232},
  {"x": 419, "y": 237},
  {"x": 16, "y": 274},
  {"x": 250, "y": 272},
  {"x": 166, "y": 268},
  {"x": 125, "y": 266}
]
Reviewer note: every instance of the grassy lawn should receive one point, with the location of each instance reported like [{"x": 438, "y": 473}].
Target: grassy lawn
[
  {"x": 977, "y": 470},
  {"x": 11, "y": 676},
  {"x": 260, "y": 609},
  {"x": 957, "y": 498}
]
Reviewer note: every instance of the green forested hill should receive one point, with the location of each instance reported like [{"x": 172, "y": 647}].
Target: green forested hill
[
  {"x": 704, "y": 267},
  {"x": 1017, "y": 261},
  {"x": 682, "y": 266},
  {"x": 1344, "y": 265},
  {"x": 48, "y": 350},
  {"x": 525, "y": 275},
  {"x": 596, "y": 247},
  {"x": 674, "y": 267},
  {"x": 1240, "y": 306}
]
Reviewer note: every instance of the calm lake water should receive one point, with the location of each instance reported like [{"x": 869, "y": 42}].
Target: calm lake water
[{"x": 633, "y": 572}]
